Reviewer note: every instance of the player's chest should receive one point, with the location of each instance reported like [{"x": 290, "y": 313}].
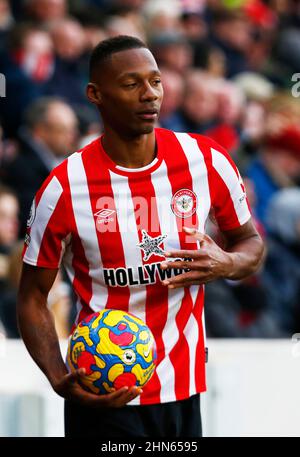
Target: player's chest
[{"x": 143, "y": 215}]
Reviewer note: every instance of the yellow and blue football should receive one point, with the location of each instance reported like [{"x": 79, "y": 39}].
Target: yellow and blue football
[{"x": 116, "y": 349}]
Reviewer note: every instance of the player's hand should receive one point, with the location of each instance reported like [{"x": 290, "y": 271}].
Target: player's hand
[
  {"x": 208, "y": 263},
  {"x": 69, "y": 388}
]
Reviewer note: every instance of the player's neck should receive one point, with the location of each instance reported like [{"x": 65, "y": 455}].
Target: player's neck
[{"x": 130, "y": 153}]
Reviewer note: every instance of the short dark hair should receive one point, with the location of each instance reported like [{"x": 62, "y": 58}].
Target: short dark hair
[{"x": 107, "y": 47}]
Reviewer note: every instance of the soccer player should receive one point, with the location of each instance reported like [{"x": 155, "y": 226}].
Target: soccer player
[{"x": 126, "y": 217}]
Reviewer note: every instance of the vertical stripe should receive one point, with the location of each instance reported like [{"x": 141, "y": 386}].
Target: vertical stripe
[
  {"x": 179, "y": 175},
  {"x": 199, "y": 173},
  {"x": 130, "y": 239},
  {"x": 192, "y": 334},
  {"x": 86, "y": 229},
  {"x": 200, "y": 347},
  {"x": 170, "y": 334},
  {"x": 109, "y": 241},
  {"x": 74, "y": 259},
  {"x": 156, "y": 302}
]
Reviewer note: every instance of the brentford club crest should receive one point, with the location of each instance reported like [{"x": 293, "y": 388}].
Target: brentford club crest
[{"x": 184, "y": 203}]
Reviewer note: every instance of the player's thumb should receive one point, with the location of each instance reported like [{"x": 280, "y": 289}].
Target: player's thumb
[
  {"x": 195, "y": 233},
  {"x": 75, "y": 375}
]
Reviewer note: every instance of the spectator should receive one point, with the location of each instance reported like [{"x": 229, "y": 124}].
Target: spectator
[
  {"x": 8, "y": 237},
  {"x": 277, "y": 166},
  {"x": 282, "y": 270},
  {"x": 200, "y": 103},
  {"x": 48, "y": 136},
  {"x": 231, "y": 106},
  {"x": 6, "y": 22},
  {"x": 45, "y": 11},
  {"x": 173, "y": 86},
  {"x": 232, "y": 33},
  {"x": 172, "y": 50},
  {"x": 241, "y": 309},
  {"x": 162, "y": 17},
  {"x": 208, "y": 108},
  {"x": 27, "y": 65},
  {"x": 93, "y": 22},
  {"x": 124, "y": 17},
  {"x": 69, "y": 79},
  {"x": 258, "y": 92}
]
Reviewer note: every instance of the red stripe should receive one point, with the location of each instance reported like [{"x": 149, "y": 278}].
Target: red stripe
[
  {"x": 180, "y": 178},
  {"x": 156, "y": 306},
  {"x": 55, "y": 232},
  {"x": 109, "y": 241},
  {"x": 82, "y": 283},
  {"x": 220, "y": 195},
  {"x": 200, "y": 349}
]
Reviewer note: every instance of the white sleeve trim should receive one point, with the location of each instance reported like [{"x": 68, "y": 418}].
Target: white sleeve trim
[{"x": 44, "y": 211}]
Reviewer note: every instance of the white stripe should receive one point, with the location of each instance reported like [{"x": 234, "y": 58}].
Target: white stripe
[
  {"x": 86, "y": 229},
  {"x": 44, "y": 211},
  {"x": 233, "y": 183},
  {"x": 191, "y": 333},
  {"x": 170, "y": 334},
  {"x": 198, "y": 171},
  {"x": 199, "y": 174},
  {"x": 130, "y": 240},
  {"x": 203, "y": 325}
]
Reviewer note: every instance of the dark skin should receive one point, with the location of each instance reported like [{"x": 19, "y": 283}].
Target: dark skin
[
  {"x": 128, "y": 93},
  {"x": 37, "y": 329},
  {"x": 124, "y": 94}
]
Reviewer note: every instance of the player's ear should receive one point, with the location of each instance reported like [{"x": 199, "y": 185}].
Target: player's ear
[{"x": 93, "y": 93}]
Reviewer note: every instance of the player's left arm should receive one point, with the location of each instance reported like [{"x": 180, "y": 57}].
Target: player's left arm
[{"x": 241, "y": 256}]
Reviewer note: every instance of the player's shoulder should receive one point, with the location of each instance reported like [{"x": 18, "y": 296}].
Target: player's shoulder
[{"x": 205, "y": 143}]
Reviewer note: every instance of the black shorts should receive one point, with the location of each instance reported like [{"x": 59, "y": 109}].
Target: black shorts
[{"x": 169, "y": 420}]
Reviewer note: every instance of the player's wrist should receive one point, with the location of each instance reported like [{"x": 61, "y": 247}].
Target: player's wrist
[
  {"x": 55, "y": 378},
  {"x": 228, "y": 265}
]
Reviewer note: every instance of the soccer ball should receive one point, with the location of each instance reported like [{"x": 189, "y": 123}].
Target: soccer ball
[{"x": 116, "y": 349}]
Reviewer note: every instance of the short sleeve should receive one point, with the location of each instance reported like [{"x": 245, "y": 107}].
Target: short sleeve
[
  {"x": 228, "y": 194},
  {"x": 47, "y": 227}
]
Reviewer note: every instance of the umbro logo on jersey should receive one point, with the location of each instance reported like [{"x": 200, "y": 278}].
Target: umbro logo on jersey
[
  {"x": 104, "y": 215},
  {"x": 184, "y": 203}
]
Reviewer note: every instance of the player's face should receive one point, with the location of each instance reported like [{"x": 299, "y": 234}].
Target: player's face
[{"x": 130, "y": 92}]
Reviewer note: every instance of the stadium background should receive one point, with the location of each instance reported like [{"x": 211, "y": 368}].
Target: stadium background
[{"x": 230, "y": 70}]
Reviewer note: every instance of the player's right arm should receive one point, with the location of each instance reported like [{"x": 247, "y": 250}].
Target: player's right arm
[{"x": 37, "y": 329}]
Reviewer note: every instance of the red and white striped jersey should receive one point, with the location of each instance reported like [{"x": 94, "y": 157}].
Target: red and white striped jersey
[{"x": 109, "y": 226}]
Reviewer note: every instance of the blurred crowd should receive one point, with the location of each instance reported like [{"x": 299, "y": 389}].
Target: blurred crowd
[{"x": 229, "y": 71}]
